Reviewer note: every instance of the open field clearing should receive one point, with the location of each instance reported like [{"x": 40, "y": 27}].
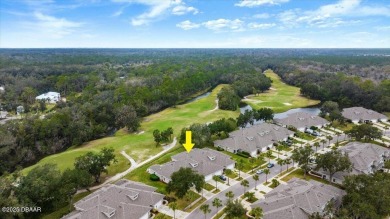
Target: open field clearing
[
  {"x": 141, "y": 145},
  {"x": 281, "y": 97}
]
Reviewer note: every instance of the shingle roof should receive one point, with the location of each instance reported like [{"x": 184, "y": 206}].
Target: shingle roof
[
  {"x": 126, "y": 199},
  {"x": 302, "y": 120},
  {"x": 254, "y": 137},
  {"x": 362, "y": 155},
  {"x": 204, "y": 161},
  {"x": 360, "y": 113},
  {"x": 297, "y": 199}
]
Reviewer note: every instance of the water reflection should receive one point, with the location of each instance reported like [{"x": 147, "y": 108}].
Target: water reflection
[{"x": 311, "y": 110}]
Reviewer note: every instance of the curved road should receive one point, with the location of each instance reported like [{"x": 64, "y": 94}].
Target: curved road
[{"x": 237, "y": 189}]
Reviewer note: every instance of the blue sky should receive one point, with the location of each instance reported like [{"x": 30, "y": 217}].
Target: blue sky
[{"x": 195, "y": 23}]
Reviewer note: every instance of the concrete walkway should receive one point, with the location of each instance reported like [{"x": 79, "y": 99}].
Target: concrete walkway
[
  {"x": 178, "y": 214},
  {"x": 131, "y": 168}
]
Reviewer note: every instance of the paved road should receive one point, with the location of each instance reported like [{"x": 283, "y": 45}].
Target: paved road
[{"x": 237, "y": 189}]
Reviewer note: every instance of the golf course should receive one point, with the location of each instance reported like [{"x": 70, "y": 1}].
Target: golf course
[
  {"x": 281, "y": 97},
  {"x": 140, "y": 146}
]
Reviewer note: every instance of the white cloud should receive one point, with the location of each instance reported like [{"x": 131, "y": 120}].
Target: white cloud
[
  {"x": 182, "y": 9},
  {"x": 255, "y": 25},
  {"x": 187, "y": 25},
  {"x": 255, "y": 3},
  {"x": 53, "y": 26},
  {"x": 224, "y": 24},
  {"x": 331, "y": 15},
  {"x": 157, "y": 10},
  {"x": 261, "y": 16}
]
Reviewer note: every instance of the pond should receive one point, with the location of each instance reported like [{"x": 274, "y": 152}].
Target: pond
[
  {"x": 198, "y": 97},
  {"x": 311, "y": 110}
]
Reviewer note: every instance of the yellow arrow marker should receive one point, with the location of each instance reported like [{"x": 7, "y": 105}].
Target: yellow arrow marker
[{"x": 188, "y": 145}]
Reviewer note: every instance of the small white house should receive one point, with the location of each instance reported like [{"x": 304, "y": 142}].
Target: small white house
[
  {"x": 50, "y": 97},
  {"x": 2, "y": 89}
]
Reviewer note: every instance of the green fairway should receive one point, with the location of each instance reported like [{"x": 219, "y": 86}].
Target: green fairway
[
  {"x": 281, "y": 97},
  {"x": 141, "y": 146}
]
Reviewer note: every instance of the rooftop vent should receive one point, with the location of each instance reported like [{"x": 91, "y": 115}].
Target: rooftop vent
[
  {"x": 313, "y": 117},
  {"x": 300, "y": 118},
  {"x": 109, "y": 212},
  {"x": 276, "y": 128},
  {"x": 194, "y": 164},
  {"x": 133, "y": 197},
  {"x": 369, "y": 112},
  {"x": 261, "y": 133},
  {"x": 249, "y": 138},
  {"x": 211, "y": 157}
]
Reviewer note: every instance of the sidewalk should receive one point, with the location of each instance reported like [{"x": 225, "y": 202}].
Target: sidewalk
[{"x": 166, "y": 210}]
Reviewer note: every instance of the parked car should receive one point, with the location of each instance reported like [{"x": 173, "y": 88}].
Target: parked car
[
  {"x": 260, "y": 171},
  {"x": 270, "y": 165},
  {"x": 222, "y": 177}
]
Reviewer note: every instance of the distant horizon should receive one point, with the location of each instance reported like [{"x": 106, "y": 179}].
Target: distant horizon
[{"x": 195, "y": 24}]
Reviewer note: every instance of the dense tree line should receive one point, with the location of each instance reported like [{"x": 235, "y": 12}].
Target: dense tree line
[
  {"x": 100, "y": 100},
  {"x": 49, "y": 188},
  {"x": 347, "y": 91}
]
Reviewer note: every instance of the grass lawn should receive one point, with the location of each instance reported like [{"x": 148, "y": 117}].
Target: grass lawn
[
  {"x": 216, "y": 191},
  {"x": 304, "y": 136},
  {"x": 195, "y": 205},
  {"x": 232, "y": 175},
  {"x": 247, "y": 166},
  {"x": 162, "y": 216},
  {"x": 141, "y": 175},
  {"x": 298, "y": 173},
  {"x": 142, "y": 146},
  {"x": 186, "y": 200},
  {"x": 281, "y": 97},
  {"x": 219, "y": 215},
  {"x": 209, "y": 187},
  {"x": 344, "y": 127}
]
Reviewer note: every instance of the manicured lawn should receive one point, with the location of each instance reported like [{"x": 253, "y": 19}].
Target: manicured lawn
[
  {"x": 304, "y": 136},
  {"x": 162, "y": 216},
  {"x": 209, "y": 187},
  {"x": 344, "y": 127},
  {"x": 141, "y": 175},
  {"x": 247, "y": 166},
  {"x": 281, "y": 97},
  {"x": 142, "y": 146},
  {"x": 186, "y": 200},
  {"x": 298, "y": 173},
  {"x": 232, "y": 175}
]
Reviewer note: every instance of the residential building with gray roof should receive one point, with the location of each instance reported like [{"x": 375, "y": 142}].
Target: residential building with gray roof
[
  {"x": 298, "y": 199},
  {"x": 205, "y": 161},
  {"x": 366, "y": 158},
  {"x": 360, "y": 114},
  {"x": 122, "y": 200},
  {"x": 302, "y": 120},
  {"x": 254, "y": 139}
]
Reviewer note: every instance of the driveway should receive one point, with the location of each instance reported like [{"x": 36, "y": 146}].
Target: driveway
[{"x": 237, "y": 189}]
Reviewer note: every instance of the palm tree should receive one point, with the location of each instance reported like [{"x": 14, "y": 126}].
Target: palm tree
[
  {"x": 338, "y": 134},
  {"x": 239, "y": 166},
  {"x": 228, "y": 172},
  {"x": 206, "y": 209},
  {"x": 256, "y": 178},
  {"x": 173, "y": 206},
  {"x": 287, "y": 161},
  {"x": 245, "y": 184},
  {"x": 229, "y": 195},
  {"x": 269, "y": 155},
  {"x": 217, "y": 203},
  {"x": 257, "y": 212},
  {"x": 252, "y": 161},
  {"x": 329, "y": 138},
  {"x": 216, "y": 178},
  {"x": 281, "y": 162},
  {"x": 266, "y": 172},
  {"x": 279, "y": 149},
  {"x": 250, "y": 196},
  {"x": 317, "y": 144},
  {"x": 323, "y": 141}
]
